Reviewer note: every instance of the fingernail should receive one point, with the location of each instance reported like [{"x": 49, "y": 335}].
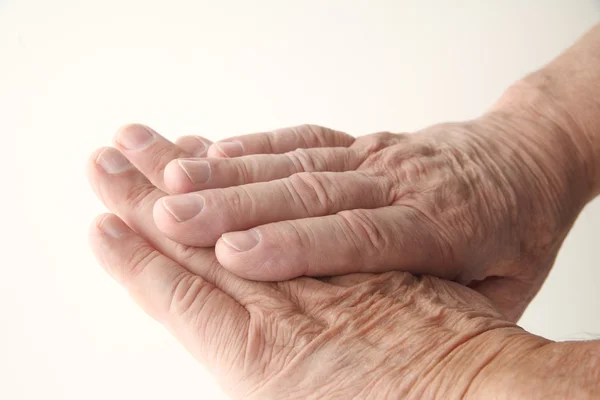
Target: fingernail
[
  {"x": 241, "y": 241},
  {"x": 197, "y": 171},
  {"x": 200, "y": 150},
  {"x": 136, "y": 138},
  {"x": 195, "y": 143},
  {"x": 113, "y": 227},
  {"x": 184, "y": 207},
  {"x": 230, "y": 149},
  {"x": 112, "y": 161}
]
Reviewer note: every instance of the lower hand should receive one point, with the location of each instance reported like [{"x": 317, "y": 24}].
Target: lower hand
[{"x": 356, "y": 336}]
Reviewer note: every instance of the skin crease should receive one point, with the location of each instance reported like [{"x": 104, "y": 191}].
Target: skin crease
[
  {"x": 403, "y": 336},
  {"x": 476, "y": 195},
  {"x": 365, "y": 335},
  {"x": 390, "y": 335},
  {"x": 486, "y": 202}
]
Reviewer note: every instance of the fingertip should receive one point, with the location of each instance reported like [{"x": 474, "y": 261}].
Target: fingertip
[
  {"x": 105, "y": 233},
  {"x": 163, "y": 218},
  {"x": 94, "y": 228},
  {"x": 194, "y": 145},
  {"x": 235, "y": 262},
  {"x": 214, "y": 151},
  {"x": 108, "y": 160},
  {"x": 259, "y": 263},
  {"x": 177, "y": 179},
  {"x": 188, "y": 232},
  {"x": 226, "y": 149},
  {"x": 92, "y": 161},
  {"x": 110, "y": 226}
]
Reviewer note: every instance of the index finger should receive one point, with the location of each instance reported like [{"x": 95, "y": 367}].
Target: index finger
[{"x": 280, "y": 141}]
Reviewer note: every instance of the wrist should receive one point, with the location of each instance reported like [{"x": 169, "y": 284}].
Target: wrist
[
  {"x": 550, "y": 170},
  {"x": 530, "y": 367},
  {"x": 481, "y": 367},
  {"x": 544, "y": 129},
  {"x": 543, "y": 171},
  {"x": 497, "y": 378}
]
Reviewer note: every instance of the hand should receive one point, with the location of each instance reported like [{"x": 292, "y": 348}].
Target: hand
[
  {"x": 356, "y": 336},
  {"x": 478, "y": 202}
]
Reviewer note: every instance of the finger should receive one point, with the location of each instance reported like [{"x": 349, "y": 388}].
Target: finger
[
  {"x": 280, "y": 141},
  {"x": 147, "y": 151},
  {"x": 188, "y": 175},
  {"x": 128, "y": 194},
  {"x": 378, "y": 240},
  {"x": 197, "y": 312},
  {"x": 200, "y": 218},
  {"x": 194, "y": 146}
]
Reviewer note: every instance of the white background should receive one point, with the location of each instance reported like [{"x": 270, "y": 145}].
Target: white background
[{"x": 71, "y": 72}]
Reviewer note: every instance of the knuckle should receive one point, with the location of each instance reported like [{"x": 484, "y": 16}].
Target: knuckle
[
  {"x": 185, "y": 253},
  {"x": 360, "y": 229},
  {"x": 314, "y": 135},
  {"x": 381, "y": 188},
  {"x": 239, "y": 197},
  {"x": 302, "y": 160},
  {"x": 311, "y": 135},
  {"x": 269, "y": 141},
  {"x": 311, "y": 192},
  {"x": 437, "y": 234},
  {"x": 287, "y": 234},
  {"x": 188, "y": 290},
  {"x": 235, "y": 204},
  {"x": 160, "y": 157},
  {"x": 409, "y": 163},
  {"x": 317, "y": 133},
  {"x": 140, "y": 256},
  {"x": 242, "y": 170},
  {"x": 326, "y": 137},
  {"x": 412, "y": 170},
  {"x": 136, "y": 196},
  {"x": 377, "y": 141}
]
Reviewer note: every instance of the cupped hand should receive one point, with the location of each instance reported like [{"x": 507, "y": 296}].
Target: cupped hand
[
  {"x": 478, "y": 202},
  {"x": 356, "y": 336}
]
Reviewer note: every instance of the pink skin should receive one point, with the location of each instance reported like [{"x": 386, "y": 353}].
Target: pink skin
[
  {"x": 286, "y": 340},
  {"x": 448, "y": 201},
  {"x": 486, "y": 202},
  {"x": 453, "y": 200},
  {"x": 387, "y": 335}
]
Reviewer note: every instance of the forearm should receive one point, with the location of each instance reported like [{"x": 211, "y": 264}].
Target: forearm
[
  {"x": 532, "y": 368},
  {"x": 556, "y": 108},
  {"x": 572, "y": 81},
  {"x": 566, "y": 95}
]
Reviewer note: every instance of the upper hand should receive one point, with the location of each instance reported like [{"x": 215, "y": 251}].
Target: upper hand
[
  {"x": 475, "y": 202},
  {"x": 356, "y": 336}
]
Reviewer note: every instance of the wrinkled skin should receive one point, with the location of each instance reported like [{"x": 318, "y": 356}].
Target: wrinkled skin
[
  {"x": 485, "y": 202},
  {"x": 362, "y": 335},
  {"x": 480, "y": 202}
]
